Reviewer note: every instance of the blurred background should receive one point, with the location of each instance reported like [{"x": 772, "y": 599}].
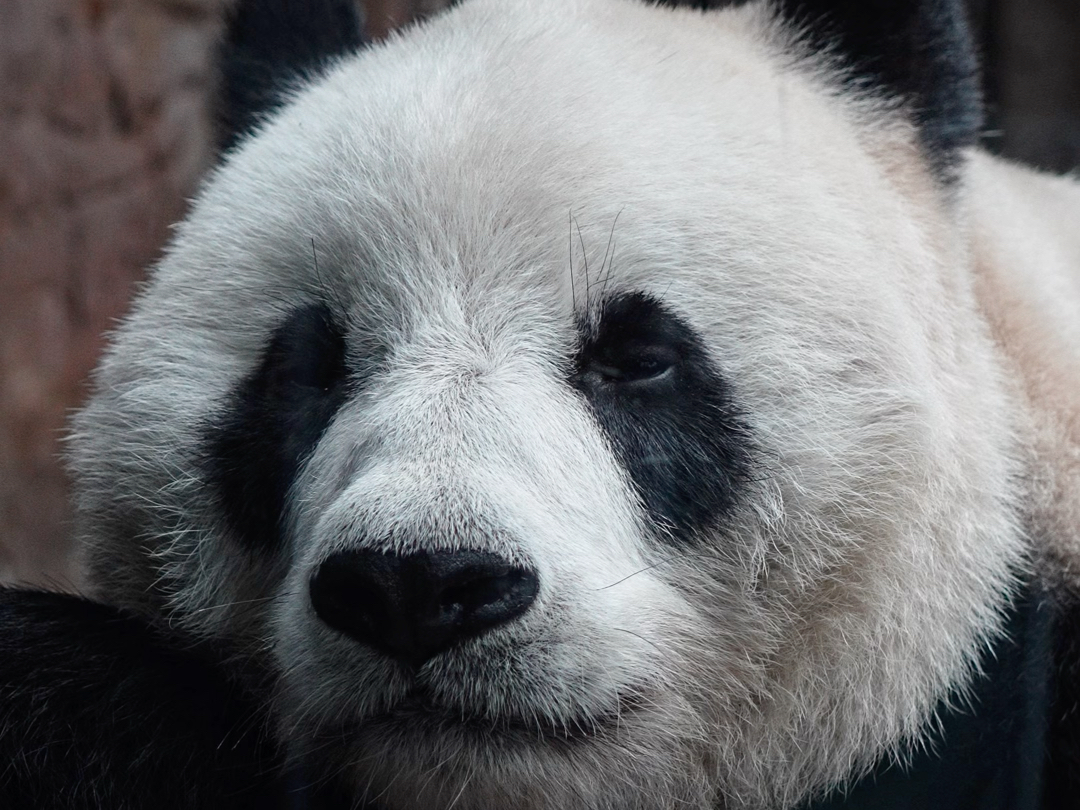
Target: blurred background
[{"x": 106, "y": 126}]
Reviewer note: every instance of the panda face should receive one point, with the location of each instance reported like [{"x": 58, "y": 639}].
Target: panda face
[{"x": 567, "y": 405}]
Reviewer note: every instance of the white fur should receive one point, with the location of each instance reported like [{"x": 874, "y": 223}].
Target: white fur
[{"x": 446, "y": 183}]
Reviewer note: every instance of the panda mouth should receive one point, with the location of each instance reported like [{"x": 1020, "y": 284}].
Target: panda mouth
[{"x": 419, "y": 712}]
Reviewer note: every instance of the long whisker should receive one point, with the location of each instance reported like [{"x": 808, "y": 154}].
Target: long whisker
[
  {"x": 655, "y": 565},
  {"x": 224, "y": 605},
  {"x": 652, "y": 644},
  {"x": 609, "y": 256},
  {"x": 584, "y": 255},
  {"x": 573, "y": 285}
]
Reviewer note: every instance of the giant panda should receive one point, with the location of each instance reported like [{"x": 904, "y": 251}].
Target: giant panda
[{"x": 580, "y": 405}]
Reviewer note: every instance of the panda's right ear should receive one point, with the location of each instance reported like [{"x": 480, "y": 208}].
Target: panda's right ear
[
  {"x": 273, "y": 45},
  {"x": 918, "y": 50}
]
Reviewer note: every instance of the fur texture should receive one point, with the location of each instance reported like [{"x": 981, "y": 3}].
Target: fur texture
[
  {"x": 98, "y": 710},
  {"x": 887, "y": 368}
]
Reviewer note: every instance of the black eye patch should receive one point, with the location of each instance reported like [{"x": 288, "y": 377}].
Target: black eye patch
[
  {"x": 271, "y": 423},
  {"x": 666, "y": 410}
]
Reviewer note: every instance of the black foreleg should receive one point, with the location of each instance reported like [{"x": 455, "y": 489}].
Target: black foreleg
[{"x": 98, "y": 710}]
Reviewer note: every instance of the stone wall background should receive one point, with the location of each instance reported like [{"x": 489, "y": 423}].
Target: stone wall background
[{"x": 105, "y": 129}]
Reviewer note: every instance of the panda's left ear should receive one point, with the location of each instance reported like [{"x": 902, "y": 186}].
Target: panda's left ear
[
  {"x": 271, "y": 47},
  {"x": 920, "y": 50}
]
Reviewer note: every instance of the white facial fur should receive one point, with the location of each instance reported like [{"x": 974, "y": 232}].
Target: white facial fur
[{"x": 451, "y": 186}]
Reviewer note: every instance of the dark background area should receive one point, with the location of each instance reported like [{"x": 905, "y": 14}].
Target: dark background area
[
  {"x": 1031, "y": 57},
  {"x": 105, "y": 129}
]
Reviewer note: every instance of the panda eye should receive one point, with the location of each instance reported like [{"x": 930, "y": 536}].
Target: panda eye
[
  {"x": 632, "y": 362},
  {"x": 634, "y": 344},
  {"x": 307, "y": 354},
  {"x": 270, "y": 424}
]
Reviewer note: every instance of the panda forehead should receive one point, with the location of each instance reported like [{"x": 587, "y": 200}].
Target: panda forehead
[
  {"x": 436, "y": 137},
  {"x": 419, "y": 184}
]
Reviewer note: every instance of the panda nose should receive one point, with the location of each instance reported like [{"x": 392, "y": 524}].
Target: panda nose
[{"x": 414, "y": 606}]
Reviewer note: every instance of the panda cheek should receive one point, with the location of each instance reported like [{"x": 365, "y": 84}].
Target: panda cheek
[{"x": 260, "y": 439}]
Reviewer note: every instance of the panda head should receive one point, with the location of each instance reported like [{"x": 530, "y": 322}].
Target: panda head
[{"x": 577, "y": 404}]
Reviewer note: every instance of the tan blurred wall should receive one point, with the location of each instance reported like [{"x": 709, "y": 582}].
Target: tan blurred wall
[{"x": 105, "y": 130}]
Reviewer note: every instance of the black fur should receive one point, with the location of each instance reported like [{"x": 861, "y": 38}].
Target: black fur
[
  {"x": 1063, "y": 778},
  {"x": 98, "y": 710},
  {"x": 666, "y": 410},
  {"x": 273, "y": 44},
  {"x": 256, "y": 446},
  {"x": 919, "y": 50}
]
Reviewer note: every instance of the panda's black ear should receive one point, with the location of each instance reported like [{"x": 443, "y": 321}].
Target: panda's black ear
[
  {"x": 920, "y": 50},
  {"x": 270, "y": 46}
]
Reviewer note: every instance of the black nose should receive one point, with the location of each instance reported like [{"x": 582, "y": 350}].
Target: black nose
[{"x": 412, "y": 607}]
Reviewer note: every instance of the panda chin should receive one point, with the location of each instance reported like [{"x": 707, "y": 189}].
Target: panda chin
[
  {"x": 426, "y": 708},
  {"x": 423, "y": 754},
  {"x": 416, "y": 738},
  {"x": 421, "y": 713}
]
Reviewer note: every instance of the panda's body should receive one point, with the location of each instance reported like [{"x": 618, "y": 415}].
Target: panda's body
[{"x": 585, "y": 404}]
